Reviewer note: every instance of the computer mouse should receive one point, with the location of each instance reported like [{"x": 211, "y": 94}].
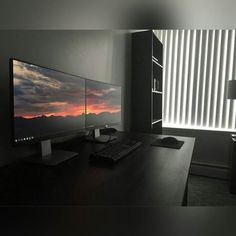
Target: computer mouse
[{"x": 169, "y": 140}]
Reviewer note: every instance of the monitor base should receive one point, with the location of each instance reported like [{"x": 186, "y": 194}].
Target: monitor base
[
  {"x": 53, "y": 159},
  {"x": 101, "y": 139},
  {"x": 96, "y": 137}
]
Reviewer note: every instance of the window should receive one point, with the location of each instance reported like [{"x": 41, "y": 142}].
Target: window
[{"x": 197, "y": 66}]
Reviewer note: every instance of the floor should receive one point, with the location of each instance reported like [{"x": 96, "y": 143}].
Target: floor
[{"x": 204, "y": 191}]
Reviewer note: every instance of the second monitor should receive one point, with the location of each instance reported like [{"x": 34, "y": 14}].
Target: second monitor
[{"x": 103, "y": 108}]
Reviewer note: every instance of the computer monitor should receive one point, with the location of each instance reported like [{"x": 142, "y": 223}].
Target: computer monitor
[
  {"x": 103, "y": 108},
  {"x": 46, "y": 104}
]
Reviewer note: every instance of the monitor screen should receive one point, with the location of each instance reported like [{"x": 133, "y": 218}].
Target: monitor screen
[
  {"x": 103, "y": 104},
  {"x": 47, "y": 103}
]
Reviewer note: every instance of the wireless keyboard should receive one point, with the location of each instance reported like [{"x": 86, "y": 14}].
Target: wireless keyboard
[{"x": 115, "y": 151}]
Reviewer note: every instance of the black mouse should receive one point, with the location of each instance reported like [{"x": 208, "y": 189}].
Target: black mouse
[{"x": 169, "y": 140}]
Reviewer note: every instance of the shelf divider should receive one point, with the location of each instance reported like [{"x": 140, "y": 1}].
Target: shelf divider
[
  {"x": 158, "y": 92},
  {"x": 156, "y": 121}
]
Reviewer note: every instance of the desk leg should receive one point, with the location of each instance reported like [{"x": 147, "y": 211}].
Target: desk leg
[{"x": 185, "y": 199}]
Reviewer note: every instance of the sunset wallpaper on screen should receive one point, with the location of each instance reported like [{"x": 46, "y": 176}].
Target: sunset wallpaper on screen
[
  {"x": 103, "y": 103},
  {"x": 46, "y": 101}
]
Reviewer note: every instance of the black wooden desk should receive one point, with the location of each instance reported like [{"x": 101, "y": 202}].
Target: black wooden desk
[
  {"x": 117, "y": 221},
  {"x": 149, "y": 176}
]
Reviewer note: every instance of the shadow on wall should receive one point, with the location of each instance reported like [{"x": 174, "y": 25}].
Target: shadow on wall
[
  {"x": 211, "y": 151},
  {"x": 126, "y": 14},
  {"x": 121, "y": 68},
  {"x": 151, "y": 16}
]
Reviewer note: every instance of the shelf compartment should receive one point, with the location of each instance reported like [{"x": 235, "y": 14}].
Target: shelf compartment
[
  {"x": 156, "y": 106},
  {"x": 156, "y": 78},
  {"x": 157, "y": 50},
  {"x": 157, "y": 127}
]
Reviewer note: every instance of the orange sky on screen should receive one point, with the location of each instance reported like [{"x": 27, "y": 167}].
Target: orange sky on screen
[
  {"x": 102, "y": 108},
  {"x": 65, "y": 110}
]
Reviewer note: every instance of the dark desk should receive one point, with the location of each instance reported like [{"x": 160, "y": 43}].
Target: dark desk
[
  {"x": 149, "y": 176},
  {"x": 117, "y": 221}
]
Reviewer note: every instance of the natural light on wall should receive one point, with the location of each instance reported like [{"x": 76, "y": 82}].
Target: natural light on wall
[{"x": 196, "y": 68}]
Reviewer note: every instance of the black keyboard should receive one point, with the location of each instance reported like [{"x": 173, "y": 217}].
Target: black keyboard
[{"x": 115, "y": 151}]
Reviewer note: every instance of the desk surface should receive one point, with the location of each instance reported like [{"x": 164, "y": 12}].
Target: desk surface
[
  {"x": 117, "y": 221},
  {"x": 149, "y": 176}
]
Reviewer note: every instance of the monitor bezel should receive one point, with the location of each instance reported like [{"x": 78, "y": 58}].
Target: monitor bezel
[
  {"x": 103, "y": 125},
  {"x": 44, "y": 137}
]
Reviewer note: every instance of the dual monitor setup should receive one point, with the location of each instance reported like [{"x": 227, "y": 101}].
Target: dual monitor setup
[{"x": 48, "y": 103}]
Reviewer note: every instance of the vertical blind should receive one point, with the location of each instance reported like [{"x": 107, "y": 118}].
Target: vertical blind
[{"x": 197, "y": 65}]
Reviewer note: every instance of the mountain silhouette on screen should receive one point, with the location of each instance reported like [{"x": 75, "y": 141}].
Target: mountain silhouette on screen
[
  {"x": 103, "y": 118},
  {"x": 43, "y": 125}
]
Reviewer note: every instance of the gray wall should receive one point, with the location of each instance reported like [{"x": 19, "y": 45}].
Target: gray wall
[
  {"x": 211, "y": 151},
  {"x": 97, "y": 55},
  {"x": 128, "y": 14}
]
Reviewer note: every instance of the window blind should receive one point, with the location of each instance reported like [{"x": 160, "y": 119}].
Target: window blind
[{"x": 196, "y": 68}]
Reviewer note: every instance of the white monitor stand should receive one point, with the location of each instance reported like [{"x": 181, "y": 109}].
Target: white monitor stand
[
  {"x": 51, "y": 157},
  {"x": 100, "y": 138}
]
